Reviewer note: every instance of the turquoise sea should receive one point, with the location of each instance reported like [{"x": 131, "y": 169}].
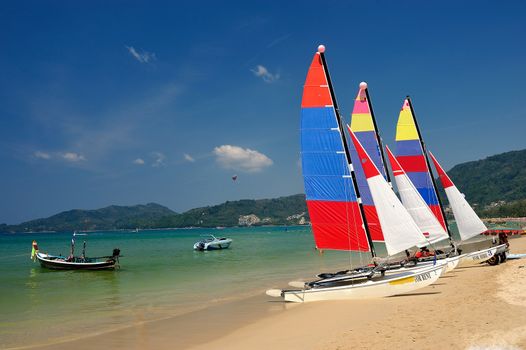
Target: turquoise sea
[{"x": 160, "y": 276}]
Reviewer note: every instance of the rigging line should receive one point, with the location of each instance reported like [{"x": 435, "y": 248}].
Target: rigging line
[{"x": 378, "y": 137}]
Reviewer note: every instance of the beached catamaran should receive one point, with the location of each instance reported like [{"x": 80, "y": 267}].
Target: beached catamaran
[
  {"x": 335, "y": 207},
  {"x": 468, "y": 222},
  {"x": 411, "y": 158},
  {"x": 363, "y": 124}
]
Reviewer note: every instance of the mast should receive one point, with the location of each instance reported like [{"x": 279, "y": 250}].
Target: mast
[
  {"x": 382, "y": 154},
  {"x": 429, "y": 167},
  {"x": 321, "y": 50}
]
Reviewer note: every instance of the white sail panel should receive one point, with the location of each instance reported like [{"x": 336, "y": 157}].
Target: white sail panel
[
  {"x": 415, "y": 204},
  {"x": 399, "y": 228},
  {"x": 468, "y": 222}
]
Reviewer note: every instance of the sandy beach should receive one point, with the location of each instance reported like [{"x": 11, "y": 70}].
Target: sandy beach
[{"x": 480, "y": 307}]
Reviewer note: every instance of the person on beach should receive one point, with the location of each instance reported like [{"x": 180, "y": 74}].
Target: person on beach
[
  {"x": 424, "y": 253},
  {"x": 503, "y": 238}
]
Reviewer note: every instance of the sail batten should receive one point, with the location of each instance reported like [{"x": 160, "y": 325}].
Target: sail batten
[
  {"x": 332, "y": 202},
  {"x": 468, "y": 222}
]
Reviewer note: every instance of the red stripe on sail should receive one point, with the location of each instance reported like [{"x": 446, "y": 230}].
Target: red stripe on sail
[
  {"x": 446, "y": 181},
  {"x": 412, "y": 163},
  {"x": 316, "y": 91},
  {"x": 395, "y": 166},
  {"x": 331, "y": 225},
  {"x": 438, "y": 214},
  {"x": 373, "y": 223}
]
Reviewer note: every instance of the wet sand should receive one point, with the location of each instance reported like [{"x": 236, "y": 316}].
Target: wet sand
[{"x": 476, "y": 307}]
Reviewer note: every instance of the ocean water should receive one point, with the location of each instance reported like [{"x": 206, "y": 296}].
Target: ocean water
[{"x": 160, "y": 276}]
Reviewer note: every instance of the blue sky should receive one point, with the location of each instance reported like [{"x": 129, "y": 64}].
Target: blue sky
[{"x": 133, "y": 102}]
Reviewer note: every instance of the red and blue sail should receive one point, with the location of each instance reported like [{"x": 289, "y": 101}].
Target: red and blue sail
[
  {"x": 364, "y": 127},
  {"x": 331, "y": 197},
  {"x": 411, "y": 156}
]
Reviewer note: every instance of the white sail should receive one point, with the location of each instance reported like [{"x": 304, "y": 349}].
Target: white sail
[
  {"x": 415, "y": 204},
  {"x": 468, "y": 222},
  {"x": 399, "y": 229}
]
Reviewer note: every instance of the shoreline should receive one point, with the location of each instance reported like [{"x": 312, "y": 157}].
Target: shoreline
[{"x": 475, "y": 306}]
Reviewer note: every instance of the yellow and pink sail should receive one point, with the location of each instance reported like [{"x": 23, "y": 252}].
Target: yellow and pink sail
[{"x": 364, "y": 127}]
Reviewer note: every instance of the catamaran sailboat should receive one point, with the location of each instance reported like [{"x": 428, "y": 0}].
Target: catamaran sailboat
[
  {"x": 335, "y": 206},
  {"x": 411, "y": 157}
]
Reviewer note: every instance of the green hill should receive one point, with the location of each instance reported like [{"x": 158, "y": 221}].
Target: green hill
[
  {"x": 501, "y": 177},
  {"x": 270, "y": 211},
  {"x": 278, "y": 211},
  {"x": 112, "y": 217},
  {"x": 497, "y": 179}
]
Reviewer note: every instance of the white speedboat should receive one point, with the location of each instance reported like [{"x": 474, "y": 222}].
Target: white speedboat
[{"x": 213, "y": 243}]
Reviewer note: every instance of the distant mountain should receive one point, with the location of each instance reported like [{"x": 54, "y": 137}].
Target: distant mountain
[
  {"x": 112, "y": 217},
  {"x": 501, "y": 177},
  {"x": 283, "y": 210},
  {"x": 496, "y": 186},
  {"x": 278, "y": 211}
]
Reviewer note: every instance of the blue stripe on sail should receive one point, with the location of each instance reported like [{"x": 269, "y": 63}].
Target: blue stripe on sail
[
  {"x": 320, "y": 140},
  {"x": 324, "y": 164},
  {"x": 318, "y": 118},
  {"x": 428, "y": 194},
  {"x": 329, "y": 188},
  {"x": 370, "y": 144},
  {"x": 420, "y": 179},
  {"x": 408, "y": 148}
]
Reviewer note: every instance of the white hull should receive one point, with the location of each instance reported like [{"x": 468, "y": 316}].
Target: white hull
[
  {"x": 403, "y": 282},
  {"x": 479, "y": 256},
  {"x": 215, "y": 244}
]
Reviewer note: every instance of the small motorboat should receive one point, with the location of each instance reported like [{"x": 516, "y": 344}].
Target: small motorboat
[
  {"x": 213, "y": 243},
  {"x": 72, "y": 262}
]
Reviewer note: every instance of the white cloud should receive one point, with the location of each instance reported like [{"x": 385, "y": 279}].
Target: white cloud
[
  {"x": 188, "y": 158},
  {"x": 244, "y": 159},
  {"x": 158, "y": 159},
  {"x": 42, "y": 155},
  {"x": 263, "y": 73},
  {"x": 73, "y": 157},
  {"x": 139, "y": 161},
  {"x": 143, "y": 56}
]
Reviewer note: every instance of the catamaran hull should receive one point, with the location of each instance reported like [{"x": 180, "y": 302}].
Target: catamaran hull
[
  {"x": 404, "y": 282},
  {"x": 480, "y": 256}
]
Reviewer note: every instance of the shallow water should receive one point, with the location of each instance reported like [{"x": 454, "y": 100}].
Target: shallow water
[{"x": 160, "y": 276}]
